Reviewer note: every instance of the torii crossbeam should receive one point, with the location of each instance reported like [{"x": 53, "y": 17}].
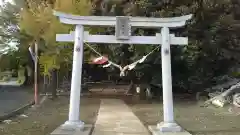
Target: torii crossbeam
[{"x": 123, "y": 26}]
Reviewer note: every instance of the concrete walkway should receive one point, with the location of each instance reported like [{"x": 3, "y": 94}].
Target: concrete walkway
[{"x": 116, "y": 118}]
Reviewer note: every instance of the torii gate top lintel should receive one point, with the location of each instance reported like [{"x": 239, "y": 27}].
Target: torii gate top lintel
[{"x": 133, "y": 21}]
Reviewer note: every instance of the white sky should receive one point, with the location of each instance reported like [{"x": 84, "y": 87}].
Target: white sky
[{"x": 1, "y": 1}]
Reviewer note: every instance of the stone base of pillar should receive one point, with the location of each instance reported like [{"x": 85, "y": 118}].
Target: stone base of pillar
[
  {"x": 167, "y": 129},
  {"x": 73, "y": 128}
]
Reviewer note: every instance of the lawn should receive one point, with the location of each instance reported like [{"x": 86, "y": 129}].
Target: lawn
[{"x": 49, "y": 116}]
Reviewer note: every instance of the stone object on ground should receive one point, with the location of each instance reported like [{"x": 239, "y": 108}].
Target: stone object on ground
[
  {"x": 218, "y": 102},
  {"x": 69, "y": 130},
  {"x": 7, "y": 121},
  {"x": 156, "y": 131}
]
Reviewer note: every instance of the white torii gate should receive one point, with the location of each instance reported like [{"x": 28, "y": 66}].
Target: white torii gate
[{"x": 123, "y": 26}]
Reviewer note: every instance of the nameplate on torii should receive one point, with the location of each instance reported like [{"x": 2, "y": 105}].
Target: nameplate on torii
[{"x": 155, "y": 40}]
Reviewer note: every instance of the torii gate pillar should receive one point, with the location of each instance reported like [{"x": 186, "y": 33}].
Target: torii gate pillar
[
  {"x": 123, "y": 35},
  {"x": 74, "y": 106}
]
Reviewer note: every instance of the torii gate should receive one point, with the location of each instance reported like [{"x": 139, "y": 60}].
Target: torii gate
[{"x": 123, "y": 26}]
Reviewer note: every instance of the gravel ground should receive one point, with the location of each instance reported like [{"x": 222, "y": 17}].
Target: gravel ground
[{"x": 49, "y": 116}]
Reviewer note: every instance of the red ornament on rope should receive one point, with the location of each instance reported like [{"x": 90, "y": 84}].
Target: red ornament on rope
[{"x": 100, "y": 60}]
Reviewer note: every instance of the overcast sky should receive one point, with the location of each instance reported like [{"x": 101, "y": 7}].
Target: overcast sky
[
  {"x": 1, "y": 49},
  {"x": 1, "y": 1}
]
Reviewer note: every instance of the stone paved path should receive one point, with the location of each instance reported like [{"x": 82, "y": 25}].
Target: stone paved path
[{"x": 116, "y": 118}]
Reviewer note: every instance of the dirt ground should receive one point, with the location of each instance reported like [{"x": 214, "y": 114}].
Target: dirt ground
[
  {"x": 195, "y": 119},
  {"x": 189, "y": 114},
  {"x": 49, "y": 116}
]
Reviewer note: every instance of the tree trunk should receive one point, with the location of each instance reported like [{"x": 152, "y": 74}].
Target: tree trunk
[
  {"x": 131, "y": 89},
  {"x": 223, "y": 96},
  {"x": 54, "y": 83},
  {"x": 45, "y": 84},
  {"x": 26, "y": 76},
  {"x": 232, "y": 89}
]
